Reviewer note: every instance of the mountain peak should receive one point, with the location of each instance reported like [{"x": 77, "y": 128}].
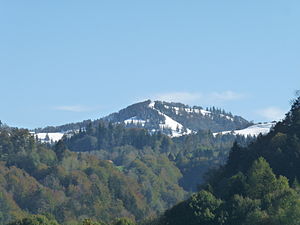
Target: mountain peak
[{"x": 176, "y": 119}]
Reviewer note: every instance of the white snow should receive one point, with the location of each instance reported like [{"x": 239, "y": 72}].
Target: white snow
[
  {"x": 151, "y": 105},
  {"x": 52, "y": 136},
  {"x": 177, "y": 128},
  {"x": 254, "y": 130},
  {"x": 227, "y": 117},
  {"x": 169, "y": 123},
  {"x": 176, "y": 110},
  {"x": 204, "y": 112},
  {"x": 189, "y": 110},
  {"x": 135, "y": 121},
  {"x": 199, "y": 111}
]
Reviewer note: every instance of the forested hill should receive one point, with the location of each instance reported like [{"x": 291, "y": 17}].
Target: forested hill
[
  {"x": 69, "y": 186},
  {"x": 258, "y": 185},
  {"x": 173, "y": 119},
  {"x": 193, "y": 154},
  {"x": 110, "y": 172}
]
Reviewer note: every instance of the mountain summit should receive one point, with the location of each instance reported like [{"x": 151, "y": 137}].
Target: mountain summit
[{"x": 176, "y": 119}]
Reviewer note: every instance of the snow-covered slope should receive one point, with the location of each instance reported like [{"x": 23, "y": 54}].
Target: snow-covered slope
[
  {"x": 176, "y": 128},
  {"x": 254, "y": 130},
  {"x": 49, "y": 137}
]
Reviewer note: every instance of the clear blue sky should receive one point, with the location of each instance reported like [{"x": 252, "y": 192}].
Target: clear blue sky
[{"x": 65, "y": 61}]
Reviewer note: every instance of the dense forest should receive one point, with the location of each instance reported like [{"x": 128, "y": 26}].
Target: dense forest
[
  {"x": 103, "y": 172},
  {"x": 192, "y": 154}
]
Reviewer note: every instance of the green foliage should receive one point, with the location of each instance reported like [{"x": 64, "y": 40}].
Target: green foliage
[
  {"x": 204, "y": 206},
  {"x": 194, "y": 154},
  {"x": 63, "y": 184},
  {"x": 91, "y": 222},
  {"x": 240, "y": 209},
  {"x": 123, "y": 221},
  {"x": 261, "y": 180},
  {"x": 264, "y": 199},
  {"x": 201, "y": 208},
  {"x": 34, "y": 220}
]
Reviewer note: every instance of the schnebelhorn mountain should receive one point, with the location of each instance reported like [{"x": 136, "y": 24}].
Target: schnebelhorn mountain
[{"x": 176, "y": 119}]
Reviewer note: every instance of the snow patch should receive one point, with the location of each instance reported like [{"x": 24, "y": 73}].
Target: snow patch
[
  {"x": 176, "y": 128},
  {"x": 151, "y": 105},
  {"x": 204, "y": 112},
  {"x": 49, "y": 137},
  {"x": 254, "y": 130},
  {"x": 189, "y": 110},
  {"x": 176, "y": 109},
  {"x": 134, "y": 120},
  {"x": 227, "y": 117}
]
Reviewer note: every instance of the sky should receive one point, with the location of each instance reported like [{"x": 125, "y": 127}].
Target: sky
[{"x": 67, "y": 61}]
